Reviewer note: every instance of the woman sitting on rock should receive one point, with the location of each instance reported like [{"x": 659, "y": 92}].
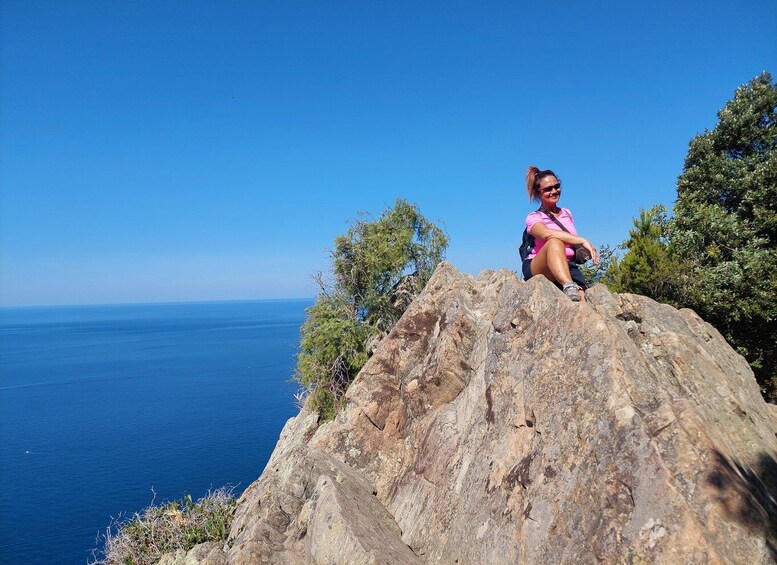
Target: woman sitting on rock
[{"x": 554, "y": 250}]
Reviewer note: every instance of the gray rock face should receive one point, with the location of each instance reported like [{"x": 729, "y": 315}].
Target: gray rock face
[
  {"x": 208, "y": 553},
  {"x": 499, "y": 422}
]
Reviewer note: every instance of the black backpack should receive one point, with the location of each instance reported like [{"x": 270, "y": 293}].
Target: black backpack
[{"x": 527, "y": 244}]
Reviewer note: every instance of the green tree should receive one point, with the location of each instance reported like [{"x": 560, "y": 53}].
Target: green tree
[
  {"x": 597, "y": 273},
  {"x": 717, "y": 254},
  {"x": 333, "y": 347},
  {"x": 378, "y": 268},
  {"x": 382, "y": 265},
  {"x": 649, "y": 266},
  {"x": 725, "y": 226}
]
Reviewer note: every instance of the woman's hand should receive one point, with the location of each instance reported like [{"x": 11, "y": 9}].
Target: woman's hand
[{"x": 592, "y": 250}]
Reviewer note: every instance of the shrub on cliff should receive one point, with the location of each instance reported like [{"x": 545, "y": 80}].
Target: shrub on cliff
[
  {"x": 649, "y": 266},
  {"x": 597, "y": 273},
  {"x": 723, "y": 236},
  {"x": 379, "y": 266},
  {"x": 159, "y": 529}
]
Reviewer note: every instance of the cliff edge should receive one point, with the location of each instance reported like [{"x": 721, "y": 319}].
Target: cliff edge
[{"x": 500, "y": 422}]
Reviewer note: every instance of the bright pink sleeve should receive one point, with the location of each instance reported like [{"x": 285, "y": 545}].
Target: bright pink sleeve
[{"x": 532, "y": 219}]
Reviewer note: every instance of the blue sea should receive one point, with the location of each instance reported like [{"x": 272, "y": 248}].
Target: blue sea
[{"x": 101, "y": 404}]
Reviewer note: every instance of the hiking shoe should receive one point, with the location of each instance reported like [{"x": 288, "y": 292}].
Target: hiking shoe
[{"x": 570, "y": 289}]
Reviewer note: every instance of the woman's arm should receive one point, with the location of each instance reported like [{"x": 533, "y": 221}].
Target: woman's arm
[{"x": 541, "y": 231}]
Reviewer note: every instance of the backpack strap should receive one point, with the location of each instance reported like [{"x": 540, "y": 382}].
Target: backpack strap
[
  {"x": 550, "y": 215},
  {"x": 584, "y": 254}
]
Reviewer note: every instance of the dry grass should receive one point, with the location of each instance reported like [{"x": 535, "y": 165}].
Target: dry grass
[{"x": 181, "y": 524}]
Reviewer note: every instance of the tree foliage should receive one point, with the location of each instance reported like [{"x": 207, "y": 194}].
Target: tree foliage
[
  {"x": 717, "y": 254},
  {"x": 598, "y": 273},
  {"x": 649, "y": 267},
  {"x": 726, "y": 225},
  {"x": 379, "y": 266}
]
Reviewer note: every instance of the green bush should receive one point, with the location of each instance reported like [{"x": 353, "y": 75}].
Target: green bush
[
  {"x": 650, "y": 266},
  {"x": 180, "y": 524},
  {"x": 597, "y": 273},
  {"x": 332, "y": 350},
  {"x": 379, "y": 266}
]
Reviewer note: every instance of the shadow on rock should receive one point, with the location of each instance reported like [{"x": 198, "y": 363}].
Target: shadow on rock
[{"x": 749, "y": 494}]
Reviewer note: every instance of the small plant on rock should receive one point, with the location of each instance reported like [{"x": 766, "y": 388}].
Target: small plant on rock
[{"x": 180, "y": 524}]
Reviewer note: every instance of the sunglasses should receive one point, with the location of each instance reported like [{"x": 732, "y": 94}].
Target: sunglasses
[{"x": 551, "y": 188}]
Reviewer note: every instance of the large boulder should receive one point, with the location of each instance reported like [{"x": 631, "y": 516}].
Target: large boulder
[{"x": 499, "y": 422}]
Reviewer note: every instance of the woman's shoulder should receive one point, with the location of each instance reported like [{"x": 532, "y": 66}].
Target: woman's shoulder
[
  {"x": 566, "y": 212},
  {"x": 534, "y": 214},
  {"x": 533, "y": 218}
]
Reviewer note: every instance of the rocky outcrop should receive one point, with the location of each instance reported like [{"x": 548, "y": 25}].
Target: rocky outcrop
[{"x": 500, "y": 422}]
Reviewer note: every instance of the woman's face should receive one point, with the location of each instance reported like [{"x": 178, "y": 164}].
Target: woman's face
[{"x": 550, "y": 191}]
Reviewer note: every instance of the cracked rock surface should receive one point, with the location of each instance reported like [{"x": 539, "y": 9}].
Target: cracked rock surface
[{"x": 499, "y": 422}]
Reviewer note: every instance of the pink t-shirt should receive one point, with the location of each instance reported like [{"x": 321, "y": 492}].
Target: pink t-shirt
[{"x": 565, "y": 217}]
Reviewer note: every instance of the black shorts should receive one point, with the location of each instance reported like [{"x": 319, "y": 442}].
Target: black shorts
[{"x": 574, "y": 270}]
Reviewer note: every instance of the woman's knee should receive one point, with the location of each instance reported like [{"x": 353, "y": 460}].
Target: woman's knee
[{"x": 554, "y": 245}]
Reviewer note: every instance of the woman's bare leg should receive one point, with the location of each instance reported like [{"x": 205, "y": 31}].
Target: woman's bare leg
[{"x": 551, "y": 262}]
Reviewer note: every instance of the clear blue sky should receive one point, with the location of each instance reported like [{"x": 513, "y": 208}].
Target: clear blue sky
[{"x": 173, "y": 151}]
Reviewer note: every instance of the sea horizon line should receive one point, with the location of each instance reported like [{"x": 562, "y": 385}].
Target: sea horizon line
[{"x": 156, "y": 303}]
